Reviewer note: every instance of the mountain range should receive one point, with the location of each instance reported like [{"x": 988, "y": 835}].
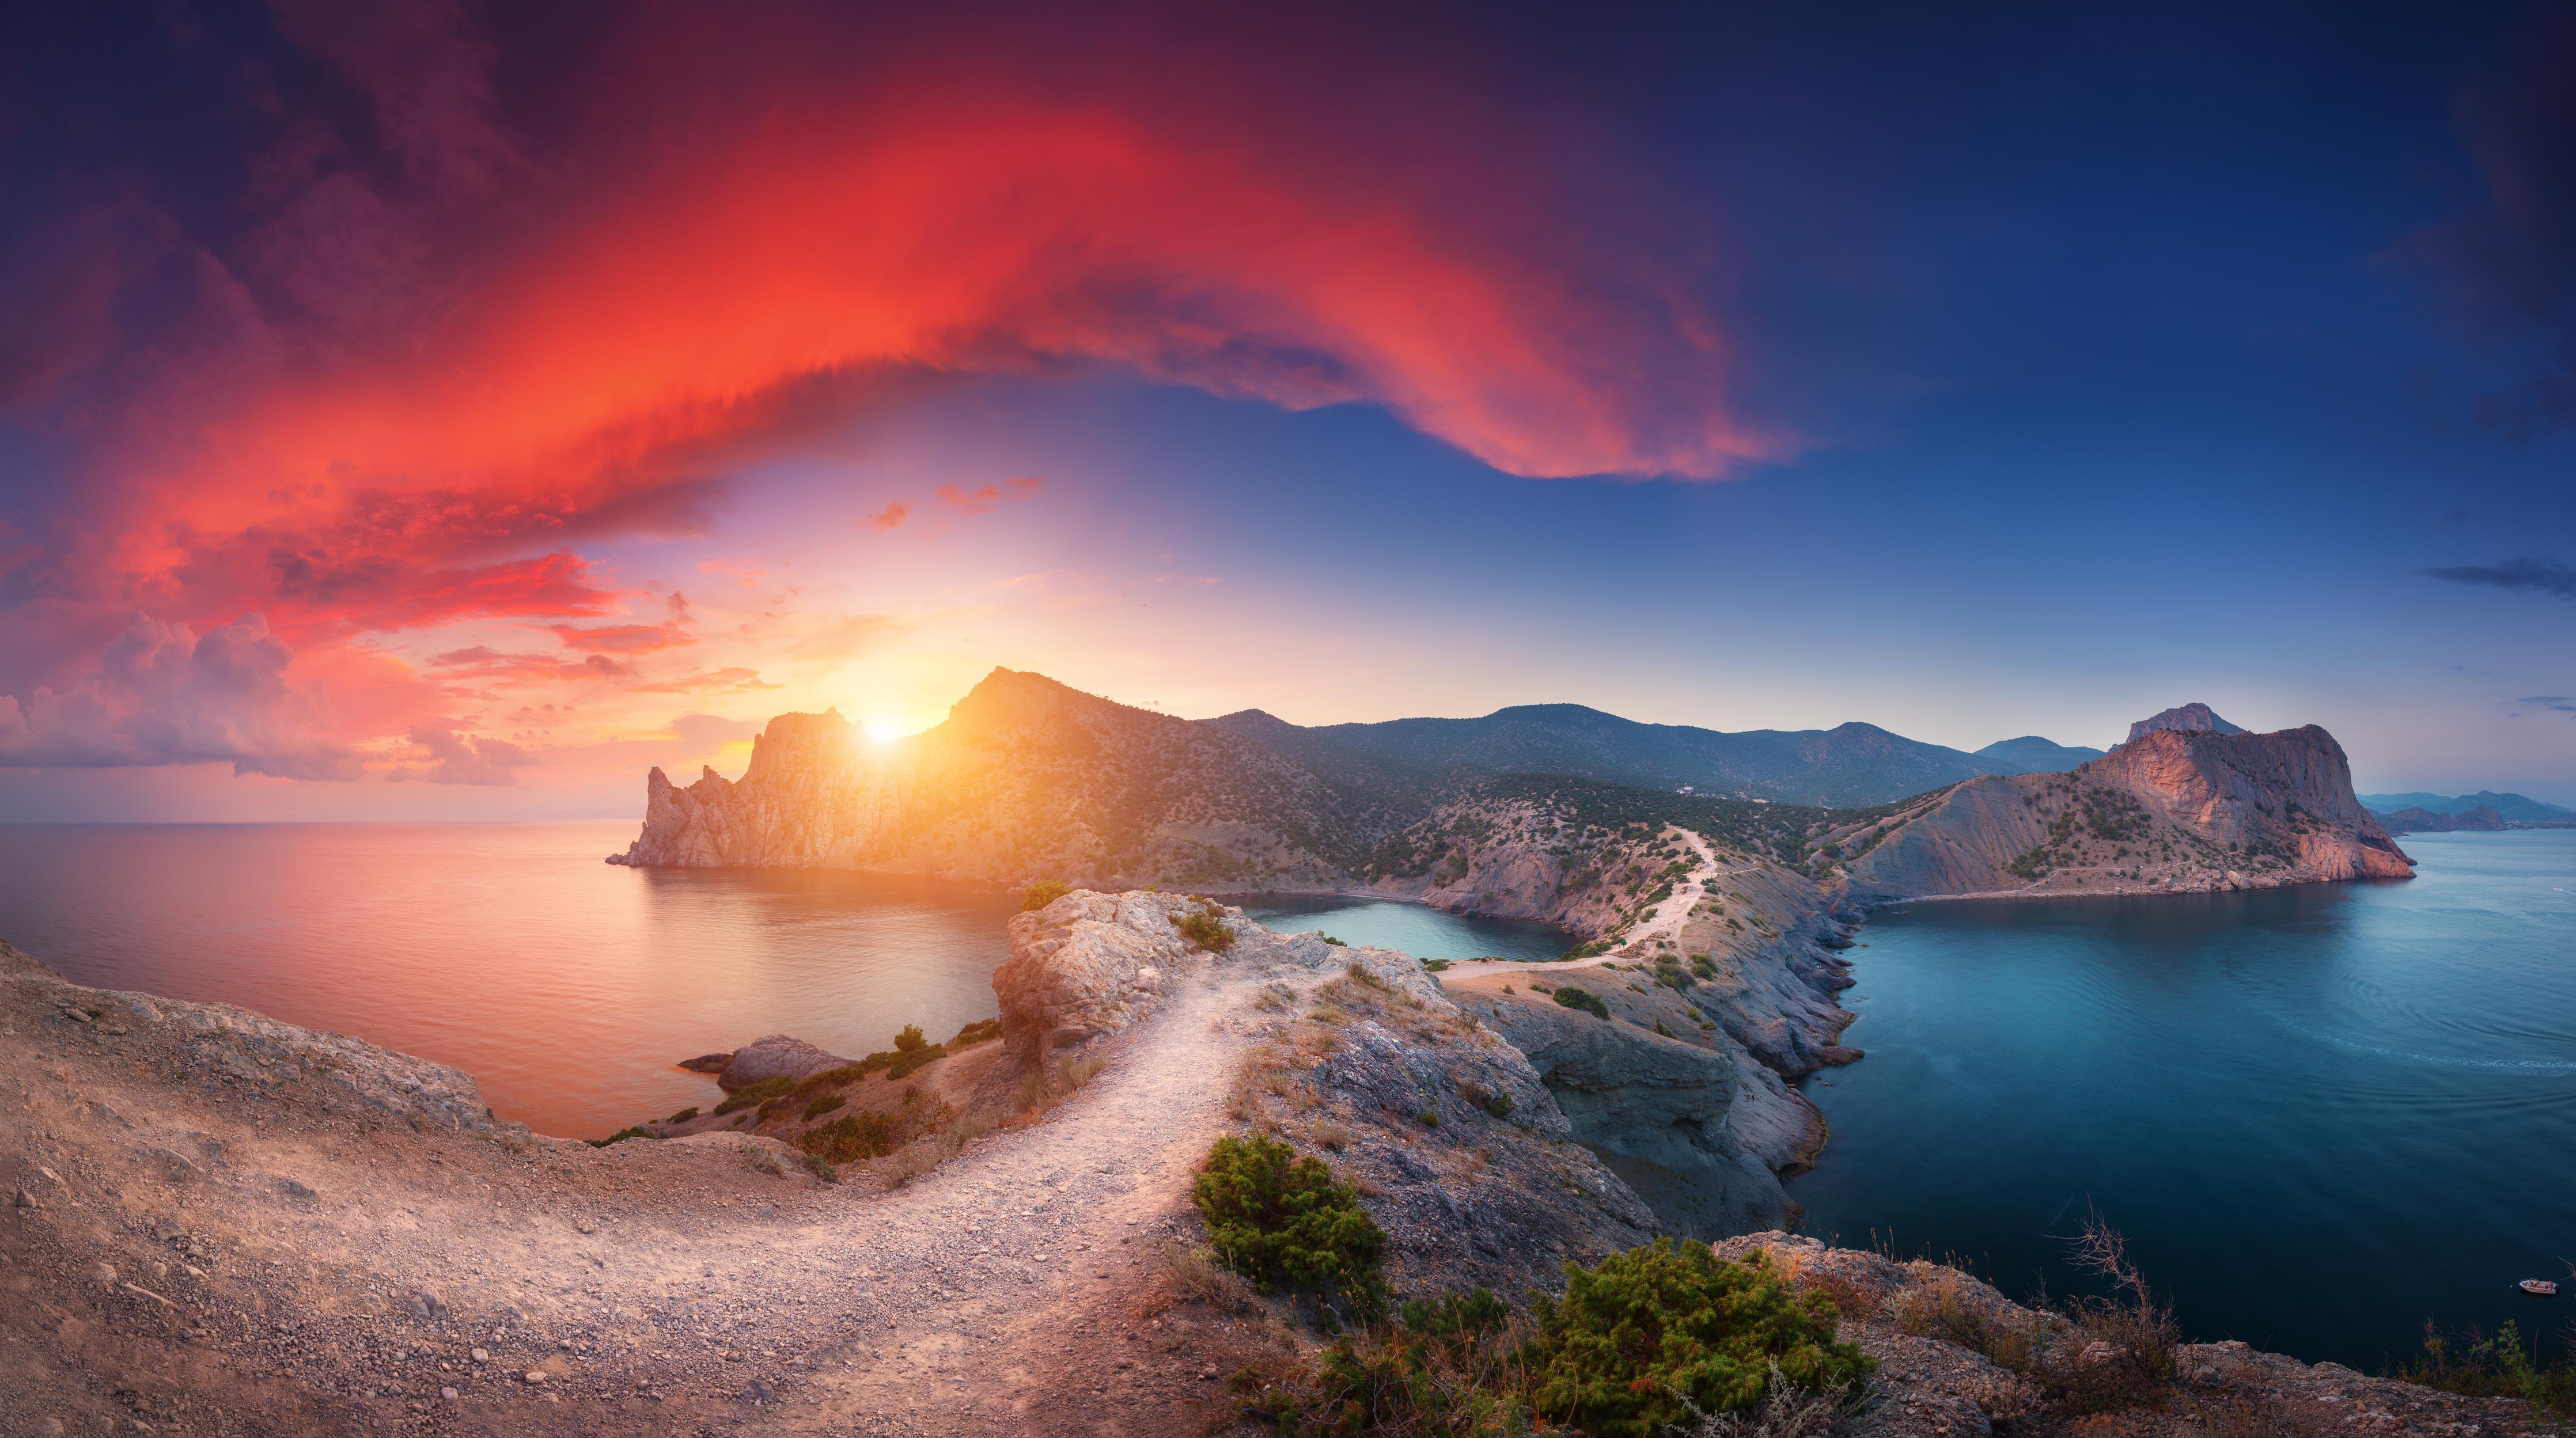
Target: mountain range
[
  {"x": 1031, "y": 779},
  {"x": 1848, "y": 765},
  {"x": 2513, "y": 808}
]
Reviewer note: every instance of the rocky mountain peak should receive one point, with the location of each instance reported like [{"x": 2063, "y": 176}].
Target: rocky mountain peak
[{"x": 2194, "y": 718}]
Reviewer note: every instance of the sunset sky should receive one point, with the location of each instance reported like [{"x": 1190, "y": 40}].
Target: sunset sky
[{"x": 446, "y": 410}]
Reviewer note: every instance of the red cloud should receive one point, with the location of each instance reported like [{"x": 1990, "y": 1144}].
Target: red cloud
[
  {"x": 984, "y": 497},
  {"x": 459, "y": 339},
  {"x": 622, "y": 638},
  {"x": 888, "y": 517}
]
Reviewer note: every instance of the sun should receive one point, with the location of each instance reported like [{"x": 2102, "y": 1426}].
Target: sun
[{"x": 882, "y": 728}]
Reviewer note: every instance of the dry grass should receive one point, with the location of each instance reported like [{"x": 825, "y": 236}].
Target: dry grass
[
  {"x": 1852, "y": 1299},
  {"x": 1949, "y": 1306},
  {"x": 2101, "y": 1354},
  {"x": 1786, "y": 1411},
  {"x": 1045, "y": 1085},
  {"x": 922, "y": 1155},
  {"x": 2249, "y": 1417},
  {"x": 1194, "y": 1275}
]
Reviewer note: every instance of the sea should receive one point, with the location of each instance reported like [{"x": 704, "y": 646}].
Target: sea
[{"x": 2324, "y": 1116}]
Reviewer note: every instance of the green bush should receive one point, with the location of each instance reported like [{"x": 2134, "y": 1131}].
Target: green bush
[
  {"x": 912, "y": 1059},
  {"x": 684, "y": 1115},
  {"x": 761, "y": 1092},
  {"x": 1670, "y": 1317},
  {"x": 978, "y": 1032},
  {"x": 1273, "y": 1216},
  {"x": 1205, "y": 927},
  {"x": 2500, "y": 1367},
  {"x": 910, "y": 1039},
  {"x": 853, "y": 1137},
  {"x": 1042, "y": 893},
  {"x": 620, "y": 1136},
  {"x": 1500, "y": 1105},
  {"x": 1584, "y": 999},
  {"x": 1444, "y": 1369},
  {"x": 823, "y": 1104}
]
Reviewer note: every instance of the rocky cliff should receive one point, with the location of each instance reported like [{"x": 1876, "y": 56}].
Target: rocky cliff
[
  {"x": 2175, "y": 809},
  {"x": 2184, "y": 719},
  {"x": 1026, "y": 779}
]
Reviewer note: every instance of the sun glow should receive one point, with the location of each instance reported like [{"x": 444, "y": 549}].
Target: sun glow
[{"x": 883, "y": 728}]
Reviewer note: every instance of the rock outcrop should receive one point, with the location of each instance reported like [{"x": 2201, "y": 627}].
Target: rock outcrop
[
  {"x": 1472, "y": 1165},
  {"x": 2183, "y": 719},
  {"x": 2175, "y": 809},
  {"x": 776, "y": 1056},
  {"x": 235, "y": 1044},
  {"x": 1088, "y": 964},
  {"x": 1957, "y": 1359},
  {"x": 1027, "y": 779}
]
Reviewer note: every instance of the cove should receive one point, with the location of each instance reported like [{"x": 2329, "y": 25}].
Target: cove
[{"x": 2324, "y": 1115}]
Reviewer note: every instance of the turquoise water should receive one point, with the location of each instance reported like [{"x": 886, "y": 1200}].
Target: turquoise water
[
  {"x": 1422, "y": 932},
  {"x": 2323, "y": 1115}
]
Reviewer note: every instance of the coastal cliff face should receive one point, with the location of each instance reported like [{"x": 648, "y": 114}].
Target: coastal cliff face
[
  {"x": 1472, "y": 1165},
  {"x": 1027, "y": 779},
  {"x": 2176, "y": 809}
]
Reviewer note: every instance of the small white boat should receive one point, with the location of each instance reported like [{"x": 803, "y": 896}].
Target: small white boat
[{"x": 2541, "y": 1286}]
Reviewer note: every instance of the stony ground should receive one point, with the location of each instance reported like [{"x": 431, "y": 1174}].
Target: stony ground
[
  {"x": 1927, "y": 1387},
  {"x": 216, "y": 1224},
  {"x": 214, "y": 1230}
]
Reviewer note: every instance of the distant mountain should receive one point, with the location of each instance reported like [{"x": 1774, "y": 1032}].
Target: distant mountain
[
  {"x": 2426, "y": 821},
  {"x": 2031, "y": 754},
  {"x": 1854, "y": 764},
  {"x": 2515, "y": 808},
  {"x": 2185, "y": 719}
]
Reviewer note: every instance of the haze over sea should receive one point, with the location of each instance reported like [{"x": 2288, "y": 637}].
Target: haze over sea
[{"x": 2325, "y": 1114}]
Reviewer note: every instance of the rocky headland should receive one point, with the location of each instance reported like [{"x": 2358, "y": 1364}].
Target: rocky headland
[
  {"x": 1711, "y": 926},
  {"x": 2181, "y": 807},
  {"x": 223, "y": 1225}
]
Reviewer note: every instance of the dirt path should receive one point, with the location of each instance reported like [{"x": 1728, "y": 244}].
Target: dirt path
[
  {"x": 1664, "y": 921},
  {"x": 1039, "y": 1248},
  {"x": 250, "y": 1252}
]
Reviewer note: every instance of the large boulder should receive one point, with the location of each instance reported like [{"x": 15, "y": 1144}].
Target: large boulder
[
  {"x": 776, "y": 1056},
  {"x": 1090, "y": 964}
]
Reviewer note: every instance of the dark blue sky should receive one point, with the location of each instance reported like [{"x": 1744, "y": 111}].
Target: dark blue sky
[{"x": 1972, "y": 371}]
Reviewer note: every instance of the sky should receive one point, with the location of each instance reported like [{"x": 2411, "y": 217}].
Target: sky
[{"x": 444, "y": 410}]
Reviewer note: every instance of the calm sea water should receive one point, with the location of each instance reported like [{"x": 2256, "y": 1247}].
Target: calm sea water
[
  {"x": 566, "y": 986},
  {"x": 2323, "y": 1115}
]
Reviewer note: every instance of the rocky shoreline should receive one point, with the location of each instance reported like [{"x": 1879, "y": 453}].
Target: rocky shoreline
[{"x": 223, "y": 1225}]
